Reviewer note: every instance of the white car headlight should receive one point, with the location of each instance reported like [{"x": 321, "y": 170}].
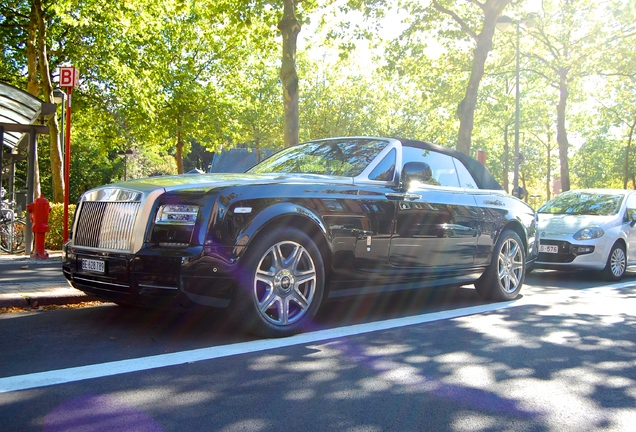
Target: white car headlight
[
  {"x": 177, "y": 214},
  {"x": 589, "y": 233}
]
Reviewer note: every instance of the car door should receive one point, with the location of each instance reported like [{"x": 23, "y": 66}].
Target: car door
[
  {"x": 372, "y": 239},
  {"x": 437, "y": 221}
]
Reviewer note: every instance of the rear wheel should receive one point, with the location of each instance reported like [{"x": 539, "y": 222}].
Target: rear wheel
[
  {"x": 282, "y": 286},
  {"x": 503, "y": 278},
  {"x": 616, "y": 263}
]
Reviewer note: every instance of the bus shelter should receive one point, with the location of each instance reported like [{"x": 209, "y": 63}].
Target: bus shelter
[{"x": 22, "y": 118}]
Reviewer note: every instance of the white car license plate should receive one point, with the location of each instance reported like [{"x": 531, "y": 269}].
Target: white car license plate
[
  {"x": 549, "y": 249},
  {"x": 93, "y": 265}
]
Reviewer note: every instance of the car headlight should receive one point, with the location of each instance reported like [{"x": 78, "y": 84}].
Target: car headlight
[
  {"x": 177, "y": 214},
  {"x": 174, "y": 225},
  {"x": 589, "y": 233}
]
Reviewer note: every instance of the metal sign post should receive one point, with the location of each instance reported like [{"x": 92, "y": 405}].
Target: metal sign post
[{"x": 69, "y": 78}]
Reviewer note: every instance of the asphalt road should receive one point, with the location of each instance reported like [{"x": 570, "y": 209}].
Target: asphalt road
[{"x": 561, "y": 358}]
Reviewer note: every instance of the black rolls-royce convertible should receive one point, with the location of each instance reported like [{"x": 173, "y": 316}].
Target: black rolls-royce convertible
[{"x": 322, "y": 219}]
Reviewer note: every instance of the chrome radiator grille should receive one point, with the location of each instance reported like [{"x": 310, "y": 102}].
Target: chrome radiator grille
[{"x": 106, "y": 225}]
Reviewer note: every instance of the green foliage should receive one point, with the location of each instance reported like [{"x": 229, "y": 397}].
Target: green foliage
[
  {"x": 155, "y": 74},
  {"x": 13, "y": 16},
  {"x": 598, "y": 163},
  {"x": 54, "y": 238},
  {"x": 255, "y": 105}
]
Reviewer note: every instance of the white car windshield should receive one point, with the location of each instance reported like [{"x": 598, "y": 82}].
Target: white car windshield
[{"x": 583, "y": 203}]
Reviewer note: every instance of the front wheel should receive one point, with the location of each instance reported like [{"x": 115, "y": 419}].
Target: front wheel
[
  {"x": 504, "y": 276},
  {"x": 282, "y": 286},
  {"x": 616, "y": 263}
]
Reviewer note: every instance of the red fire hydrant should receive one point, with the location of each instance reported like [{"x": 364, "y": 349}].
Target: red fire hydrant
[{"x": 39, "y": 210}]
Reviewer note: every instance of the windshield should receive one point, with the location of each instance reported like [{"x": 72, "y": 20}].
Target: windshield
[
  {"x": 583, "y": 203},
  {"x": 347, "y": 158}
]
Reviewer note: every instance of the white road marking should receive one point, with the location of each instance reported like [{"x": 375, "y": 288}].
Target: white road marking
[{"x": 62, "y": 376}]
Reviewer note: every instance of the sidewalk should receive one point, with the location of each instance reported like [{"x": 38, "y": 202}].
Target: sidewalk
[{"x": 30, "y": 283}]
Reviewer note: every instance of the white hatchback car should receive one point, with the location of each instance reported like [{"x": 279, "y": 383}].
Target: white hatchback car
[{"x": 588, "y": 229}]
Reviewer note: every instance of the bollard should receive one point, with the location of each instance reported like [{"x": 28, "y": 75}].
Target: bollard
[{"x": 39, "y": 210}]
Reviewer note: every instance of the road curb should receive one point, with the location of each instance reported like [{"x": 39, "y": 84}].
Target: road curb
[{"x": 57, "y": 297}]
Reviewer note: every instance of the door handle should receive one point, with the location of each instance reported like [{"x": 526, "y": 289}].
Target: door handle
[
  {"x": 403, "y": 196},
  {"x": 360, "y": 233}
]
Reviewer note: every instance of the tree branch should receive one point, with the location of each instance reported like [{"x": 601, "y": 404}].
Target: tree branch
[{"x": 456, "y": 18}]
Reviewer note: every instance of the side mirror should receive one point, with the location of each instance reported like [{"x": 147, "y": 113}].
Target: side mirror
[
  {"x": 415, "y": 171},
  {"x": 633, "y": 222}
]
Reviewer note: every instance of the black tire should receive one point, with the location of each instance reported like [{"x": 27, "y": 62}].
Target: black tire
[
  {"x": 616, "y": 263},
  {"x": 282, "y": 284},
  {"x": 504, "y": 276}
]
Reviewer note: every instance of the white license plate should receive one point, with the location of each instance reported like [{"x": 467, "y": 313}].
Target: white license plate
[
  {"x": 93, "y": 265},
  {"x": 548, "y": 249}
]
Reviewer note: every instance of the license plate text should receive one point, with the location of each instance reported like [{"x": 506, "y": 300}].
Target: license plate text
[
  {"x": 548, "y": 249},
  {"x": 93, "y": 265}
]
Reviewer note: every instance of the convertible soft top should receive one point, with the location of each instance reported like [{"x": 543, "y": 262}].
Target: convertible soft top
[{"x": 479, "y": 171}]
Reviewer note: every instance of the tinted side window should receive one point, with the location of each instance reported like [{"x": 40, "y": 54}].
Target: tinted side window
[
  {"x": 466, "y": 180},
  {"x": 442, "y": 166},
  {"x": 385, "y": 171}
]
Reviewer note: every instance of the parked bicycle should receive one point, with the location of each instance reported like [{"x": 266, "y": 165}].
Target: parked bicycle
[{"x": 12, "y": 229}]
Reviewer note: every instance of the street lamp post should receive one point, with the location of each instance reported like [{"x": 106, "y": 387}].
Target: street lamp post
[
  {"x": 503, "y": 23},
  {"x": 125, "y": 154},
  {"x": 515, "y": 178}
]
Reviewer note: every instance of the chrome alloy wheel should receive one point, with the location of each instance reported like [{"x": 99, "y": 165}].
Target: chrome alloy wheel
[
  {"x": 284, "y": 283},
  {"x": 617, "y": 262},
  {"x": 510, "y": 265}
]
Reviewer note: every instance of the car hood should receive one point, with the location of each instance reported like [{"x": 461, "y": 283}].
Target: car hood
[
  {"x": 204, "y": 182},
  {"x": 563, "y": 224}
]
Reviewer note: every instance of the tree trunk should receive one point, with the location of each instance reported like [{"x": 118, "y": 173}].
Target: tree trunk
[
  {"x": 627, "y": 151},
  {"x": 466, "y": 109},
  {"x": 179, "y": 153},
  {"x": 33, "y": 84},
  {"x": 289, "y": 28},
  {"x": 55, "y": 150},
  {"x": 522, "y": 184},
  {"x": 548, "y": 182},
  {"x": 562, "y": 135},
  {"x": 506, "y": 159}
]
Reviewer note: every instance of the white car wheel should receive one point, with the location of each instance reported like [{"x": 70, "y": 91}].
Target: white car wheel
[{"x": 616, "y": 263}]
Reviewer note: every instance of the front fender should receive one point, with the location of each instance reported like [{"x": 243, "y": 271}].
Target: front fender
[{"x": 276, "y": 213}]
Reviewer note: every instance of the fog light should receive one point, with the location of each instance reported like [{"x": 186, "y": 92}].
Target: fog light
[
  {"x": 582, "y": 250},
  {"x": 174, "y": 245}
]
